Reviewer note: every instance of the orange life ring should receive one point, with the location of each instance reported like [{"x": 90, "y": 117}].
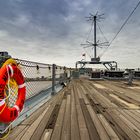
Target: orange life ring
[{"x": 9, "y": 114}]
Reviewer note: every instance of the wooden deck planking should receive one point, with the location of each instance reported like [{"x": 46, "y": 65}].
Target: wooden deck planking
[
  {"x": 108, "y": 128},
  {"x": 33, "y": 126},
  {"x": 130, "y": 118},
  {"x": 101, "y": 110},
  {"x": 100, "y": 129},
  {"x": 128, "y": 92},
  {"x": 39, "y": 130},
  {"x": 105, "y": 102},
  {"x": 17, "y": 131},
  {"x": 56, "y": 135},
  {"x": 21, "y": 134},
  {"x": 65, "y": 135},
  {"x": 83, "y": 111},
  {"x": 91, "y": 127},
  {"x": 98, "y": 125},
  {"x": 46, "y": 134},
  {"x": 75, "y": 135},
  {"x": 81, "y": 120},
  {"x": 119, "y": 125},
  {"x": 123, "y": 124}
]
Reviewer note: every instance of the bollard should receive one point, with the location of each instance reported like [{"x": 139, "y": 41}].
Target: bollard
[{"x": 53, "y": 79}]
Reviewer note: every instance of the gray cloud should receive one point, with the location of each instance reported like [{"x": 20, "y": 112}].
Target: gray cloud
[{"x": 52, "y": 30}]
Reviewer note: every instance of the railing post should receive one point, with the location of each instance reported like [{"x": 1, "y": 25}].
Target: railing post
[
  {"x": 53, "y": 79},
  {"x": 131, "y": 76}
]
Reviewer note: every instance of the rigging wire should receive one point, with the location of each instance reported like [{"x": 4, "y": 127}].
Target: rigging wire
[
  {"x": 125, "y": 22},
  {"x": 102, "y": 32},
  {"x": 90, "y": 31},
  {"x": 87, "y": 38}
]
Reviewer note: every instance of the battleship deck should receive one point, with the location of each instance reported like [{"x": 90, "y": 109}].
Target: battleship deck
[{"x": 86, "y": 110}]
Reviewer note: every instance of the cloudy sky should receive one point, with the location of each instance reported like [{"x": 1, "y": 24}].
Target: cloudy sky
[{"x": 51, "y": 31}]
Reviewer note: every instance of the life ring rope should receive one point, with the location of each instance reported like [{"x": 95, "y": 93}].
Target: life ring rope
[
  {"x": 12, "y": 89},
  {"x": 10, "y": 62},
  {"x": 12, "y": 72},
  {"x": 2, "y": 101}
]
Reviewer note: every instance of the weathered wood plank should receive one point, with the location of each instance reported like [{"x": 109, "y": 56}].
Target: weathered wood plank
[
  {"x": 83, "y": 95},
  {"x": 47, "y": 134},
  {"x": 66, "y": 124},
  {"x": 41, "y": 127},
  {"x": 100, "y": 129},
  {"x": 91, "y": 128},
  {"x": 21, "y": 134},
  {"x": 74, "y": 123},
  {"x": 122, "y": 91},
  {"x": 16, "y": 131},
  {"x": 32, "y": 128},
  {"x": 108, "y": 128},
  {"x": 133, "y": 128},
  {"x": 81, "y": 121},
  {"x": 56, "y": 135},
  {"x": 98, "y": 96},
  {"x": 136, "y": 114},
  {"x": 99, "y": 109},
  {"x": 121, "y": 122},
  {"x": 29, "y": 120},
  {"x": 130, "y": 118},
  {"x": 133, "y": 115}
]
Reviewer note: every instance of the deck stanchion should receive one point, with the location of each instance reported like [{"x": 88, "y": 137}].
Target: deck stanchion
[
  {"x": 53, "y": 79},
  {"x": 131, "y": 76}
]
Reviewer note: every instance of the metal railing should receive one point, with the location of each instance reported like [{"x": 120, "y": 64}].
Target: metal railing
[
  {"x": 41, "y": 81},
  {"x": 40, "y": 76}
]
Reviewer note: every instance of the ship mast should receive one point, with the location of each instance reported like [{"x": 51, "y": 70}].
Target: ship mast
[
  {"x": 95, "y": 59},
  {"x": 95, "y": 44},
  {"x": 94, "y": 19}
]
